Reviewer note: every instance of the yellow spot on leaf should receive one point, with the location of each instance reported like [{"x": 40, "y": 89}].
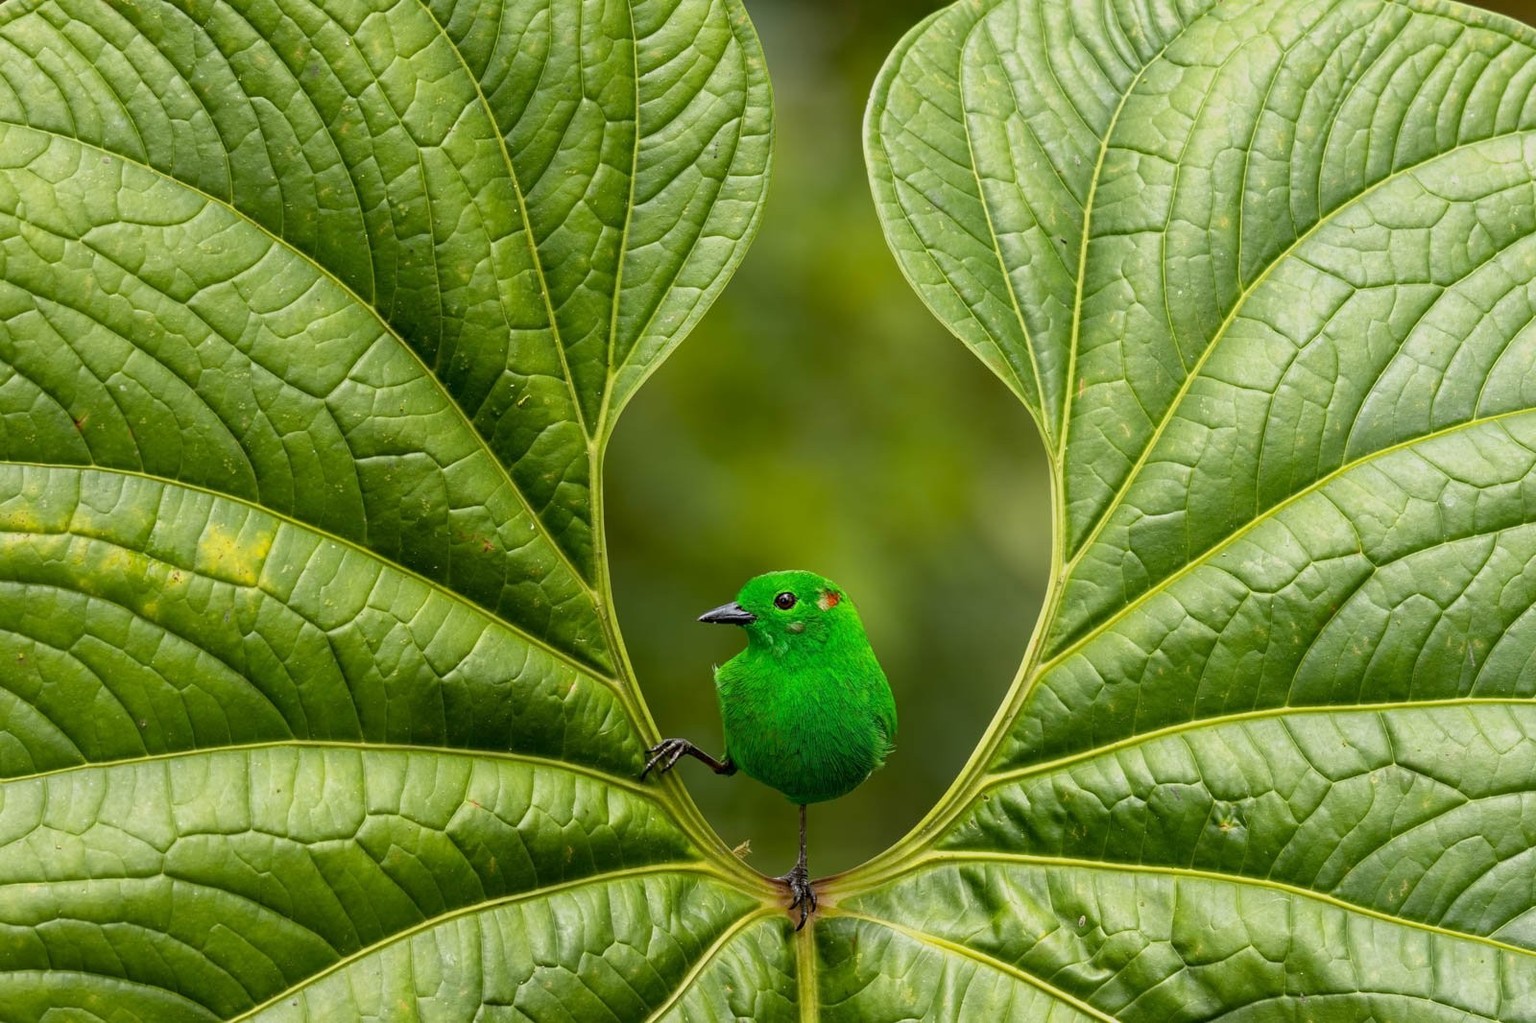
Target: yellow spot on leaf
[{"x": 234, "y": 558}]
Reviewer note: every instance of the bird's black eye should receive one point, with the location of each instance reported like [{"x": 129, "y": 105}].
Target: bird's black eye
[{"x": 784, "y": 601}]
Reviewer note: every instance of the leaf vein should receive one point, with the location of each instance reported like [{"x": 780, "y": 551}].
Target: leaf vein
[
  {"x": 1170, "y": 413},
  {"x": 1317, "y": 485},
  {"x": 455, "y": 409},
  {"x": 608, "y": 877},
  {"x": 1028, "y": 859},
  {"x": 981, "y": 958}
]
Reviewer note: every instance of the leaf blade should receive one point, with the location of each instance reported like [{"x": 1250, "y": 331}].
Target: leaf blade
[
  {"x": 333, "y": 850},
  {"x": 1193, "y": 947},
  {"x": 1201, "y": 623},
  {"x": 299, "y": 517}
]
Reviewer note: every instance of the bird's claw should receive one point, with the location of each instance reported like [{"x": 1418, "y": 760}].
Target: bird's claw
[
  {"x": 664, "y": 755},
  {"x": 798, "y": 881}
]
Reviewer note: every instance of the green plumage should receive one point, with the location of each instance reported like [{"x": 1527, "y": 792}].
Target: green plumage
[{"x": 805, "y": 707}]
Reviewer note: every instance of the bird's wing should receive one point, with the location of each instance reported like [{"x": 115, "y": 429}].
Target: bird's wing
[{"x": 885, "y": 719}]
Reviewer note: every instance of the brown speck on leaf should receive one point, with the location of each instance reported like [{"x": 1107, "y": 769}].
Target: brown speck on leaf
[{"x": 743, "y": 850}]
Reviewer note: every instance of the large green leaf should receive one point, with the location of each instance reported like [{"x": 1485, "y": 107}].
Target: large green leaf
[
  {"x": 1265, "y": 273},
  {"x": 314, "y": 321},
  {"x": 314, "y": 324}
]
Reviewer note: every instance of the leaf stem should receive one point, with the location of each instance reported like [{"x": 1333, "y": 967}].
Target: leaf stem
[
  {"x": 807, "y": 991},
  {"x": 670, "y": 790},
  {"x": 973, "y": 778}
]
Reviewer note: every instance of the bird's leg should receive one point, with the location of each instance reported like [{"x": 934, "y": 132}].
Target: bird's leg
[
  {"x": 798, "y": 881},
  {"x": 668, "y": 752}
]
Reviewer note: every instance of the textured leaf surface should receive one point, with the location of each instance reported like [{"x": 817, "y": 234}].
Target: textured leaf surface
[
  {"x": 1264, "y": 273},
  {"x": 314, "y": 321}
]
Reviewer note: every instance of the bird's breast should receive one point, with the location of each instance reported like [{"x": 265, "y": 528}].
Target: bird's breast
[{"x": 806, "y": 737}]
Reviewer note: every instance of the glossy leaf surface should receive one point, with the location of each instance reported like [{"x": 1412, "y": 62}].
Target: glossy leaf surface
[
  {"x": 1263, "y": 272},
  {"x": 314, "y": 321}
]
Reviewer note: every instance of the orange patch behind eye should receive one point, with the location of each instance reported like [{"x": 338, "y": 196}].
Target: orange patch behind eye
[{"x": 828, "y": 600}]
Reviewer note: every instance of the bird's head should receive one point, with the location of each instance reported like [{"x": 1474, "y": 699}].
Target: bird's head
[{"x": 789, "y": 609}]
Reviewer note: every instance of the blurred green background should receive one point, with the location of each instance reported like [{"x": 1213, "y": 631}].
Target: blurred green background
[{"x": 820, "y": 418}]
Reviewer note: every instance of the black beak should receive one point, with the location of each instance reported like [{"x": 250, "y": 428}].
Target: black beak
[{"x": 728, "y": 614}]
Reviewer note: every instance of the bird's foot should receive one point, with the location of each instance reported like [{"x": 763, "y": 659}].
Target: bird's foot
[
  {"x": 665, "y": 754},
  {"x": 668, "y": 752},
  {"x": 798, "y": 881}
]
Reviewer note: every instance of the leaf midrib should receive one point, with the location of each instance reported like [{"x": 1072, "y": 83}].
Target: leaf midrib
[
  {"x": 361, "y": 746},
  {"x": 1117, "y": 500},
  {"x": 977, "y": 956},
  {"x": 992, "y": 781},
  {"x": 1268, "y": 515},
  {"x": 610, "y": 408},
  {"x": 695, "y": 971},
  {"x": 899, "y": 859},
  {"x": 387, "y": 329},
  {"x": 947, "y": 859},
  {"x": 972, "y": 779},
  {"x": 429, "y": 923},
  {"x": 1074, "y": 340},
  {"x": 956, "y": 796},
  {"x": 325, "y": 536},
  {"x": 996, "y": 246},
  {"x": 944, "y": 858},
  {"x": 620, "y": 260},
  {"x": 522, "y": 213},
  {"x": 807, "y": 974}
]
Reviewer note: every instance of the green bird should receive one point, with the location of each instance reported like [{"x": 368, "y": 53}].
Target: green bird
[{"x": 805, "y": 707}]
